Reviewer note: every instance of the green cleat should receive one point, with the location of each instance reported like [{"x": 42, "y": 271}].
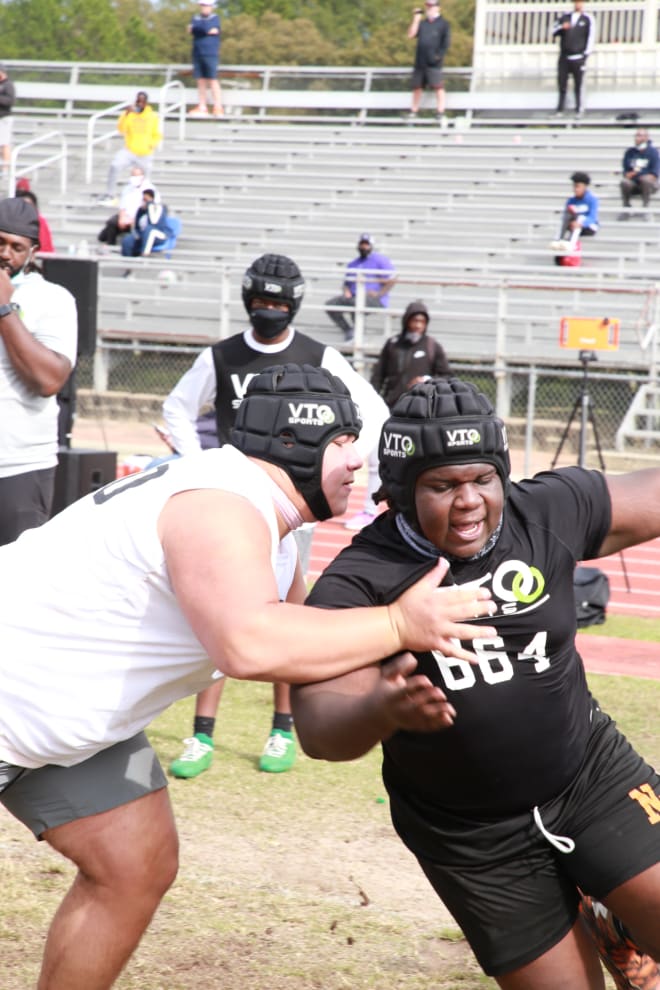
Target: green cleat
[
  {"x": 196, "y": 757},
  {"x": 279, "y": 752}
]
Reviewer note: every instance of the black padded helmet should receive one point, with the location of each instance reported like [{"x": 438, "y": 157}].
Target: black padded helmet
[
  {"x": 289, "y": 415},
  {"x": 437, "y": 423},
  {"x": 274, "y": 276},
  {"x": 19, "y": 216}
]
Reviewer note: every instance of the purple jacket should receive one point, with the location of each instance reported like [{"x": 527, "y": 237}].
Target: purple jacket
[{"x": 376, "y": 262}]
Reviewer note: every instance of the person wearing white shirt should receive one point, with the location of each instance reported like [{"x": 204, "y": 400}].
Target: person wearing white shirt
[{"x": 273, "y": 289}]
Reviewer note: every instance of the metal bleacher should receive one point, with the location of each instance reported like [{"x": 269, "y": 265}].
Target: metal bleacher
[{"x": 463, "y": 210}]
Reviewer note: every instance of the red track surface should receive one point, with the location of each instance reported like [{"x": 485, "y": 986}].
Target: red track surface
[{"x": 605, "y": 655}]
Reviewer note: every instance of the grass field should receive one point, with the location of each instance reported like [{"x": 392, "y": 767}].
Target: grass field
[{"x": 287, "y": 882}]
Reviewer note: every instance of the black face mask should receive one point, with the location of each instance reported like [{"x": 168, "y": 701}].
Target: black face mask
[
  {"x": 364, "y": 252},
  {"x": 269, "y": 323}
]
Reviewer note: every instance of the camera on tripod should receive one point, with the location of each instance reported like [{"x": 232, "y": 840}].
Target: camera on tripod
[{"x": 587, "y": 335}]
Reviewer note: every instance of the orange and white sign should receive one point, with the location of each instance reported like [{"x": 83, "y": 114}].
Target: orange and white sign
[{"x": 589, "y": 333}]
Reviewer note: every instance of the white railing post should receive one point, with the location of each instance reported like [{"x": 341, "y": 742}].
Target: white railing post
[
  {"x": 178, "y": 104},
  {"x": 529, "y": 425},
  {"x": 92, "y": 141},
  {"x": 502, "y": 377},
  {"x": 101, "y": 369},
  {"x": 359, "y": 320},
  {"x": 653, "y": 363},
  {"x": 60, "y": 157},
  {"x": 225, "y": 298}
]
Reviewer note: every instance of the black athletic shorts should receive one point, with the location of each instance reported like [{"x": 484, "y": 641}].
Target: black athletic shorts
[
  {"x": 26, "y": 501},
  {"x": 427, "y": 75},
  {"x": 507, "y": 883},
  {"x": 51, "y": 795}
]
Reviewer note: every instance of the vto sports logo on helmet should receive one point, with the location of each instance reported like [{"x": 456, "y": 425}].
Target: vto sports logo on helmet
[
  {"x": 274, "y": 288},
  {"x": 310, "y": 414},
  {"x": 397, "y": 445},
  {"x": 463, "y": 437}
]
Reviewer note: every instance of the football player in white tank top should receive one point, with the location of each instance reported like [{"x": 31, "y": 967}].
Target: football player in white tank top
[{"x": 130, "y": 599}]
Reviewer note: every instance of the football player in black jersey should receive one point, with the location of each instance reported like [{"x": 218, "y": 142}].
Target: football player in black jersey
[{"x": 515, "y": 792}]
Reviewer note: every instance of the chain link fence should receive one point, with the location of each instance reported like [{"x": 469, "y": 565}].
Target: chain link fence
[{"x": 554, "y": 416}]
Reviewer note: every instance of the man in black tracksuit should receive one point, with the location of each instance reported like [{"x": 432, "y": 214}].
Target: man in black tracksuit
[{"x": 576, "y": 32}]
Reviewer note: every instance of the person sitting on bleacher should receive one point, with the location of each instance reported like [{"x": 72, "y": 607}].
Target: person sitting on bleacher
[
  {"x": 641, "y": 168},
  {"x": 580, "y": 216},
  {"x": 379, "y": 278},
  {"x": 149, "y": 228},
  {"x": 130, "y": 202}
]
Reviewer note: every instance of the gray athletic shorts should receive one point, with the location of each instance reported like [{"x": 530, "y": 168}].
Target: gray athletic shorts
[
  {"x": 512, "y": 892},
  {"x": 428, "y": 75},
  {"x": 51, "y": 795}
]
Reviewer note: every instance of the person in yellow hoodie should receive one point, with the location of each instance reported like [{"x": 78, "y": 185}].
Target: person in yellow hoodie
[{"x": 141, "y": 130}]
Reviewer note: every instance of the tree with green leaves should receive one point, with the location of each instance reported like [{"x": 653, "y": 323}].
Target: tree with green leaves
[{"x": 260, "y": 32}]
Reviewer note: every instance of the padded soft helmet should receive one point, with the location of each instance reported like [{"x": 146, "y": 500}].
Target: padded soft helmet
[
  {"x": 19, "y": 216},
  {"x": 441, "y": 422},
  {"x": 289, "y": 415},
  {"x": 274, "y": 276}
]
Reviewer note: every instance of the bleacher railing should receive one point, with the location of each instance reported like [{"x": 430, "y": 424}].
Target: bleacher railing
[
  {"x": 16, "y": 168},
  {"x": 527, "y": 76}
]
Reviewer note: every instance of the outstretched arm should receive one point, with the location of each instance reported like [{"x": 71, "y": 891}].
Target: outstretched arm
[
  {"x": 217, "y": 549},
  {"x": 344, "y": 718},
  {"x": 635, "y": 501}
]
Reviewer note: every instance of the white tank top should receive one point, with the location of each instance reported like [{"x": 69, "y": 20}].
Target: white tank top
[{"x": 94, "y": 644}]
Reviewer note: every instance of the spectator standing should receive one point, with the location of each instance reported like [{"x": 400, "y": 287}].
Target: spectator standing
[
  {"x": 506, "y": 781},
  {"x": 380, "y": 276},
  {"x": 273, "y": 289},
  {"x": 130, "y": 201},
  {"x": 7, "y": 100},
  {"x": 580, "y": 216},
  {"x": 38, "y": 344},
  {"x": 433, "y": 36},
  {"x": 205, "y": 30},
  {"x": 409, "y": 358},
  {"x": 140, "y": 128},
  {"x": 46, "y": 245},
  {"x": 150, "y": 227},
  {"x": 576, "y": 32},
  {"x": 641, "y": 168},
  {"x": 130, "y": 599}
]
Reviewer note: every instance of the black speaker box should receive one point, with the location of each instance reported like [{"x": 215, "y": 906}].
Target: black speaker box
[
  {"x": 81, "y": 277},
  {"x": 80, "y": 472}
]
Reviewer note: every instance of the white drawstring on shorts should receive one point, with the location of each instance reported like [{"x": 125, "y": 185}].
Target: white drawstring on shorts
[{"x": 560, "y": 842}]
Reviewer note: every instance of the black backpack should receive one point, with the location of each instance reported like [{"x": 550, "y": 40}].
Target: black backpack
[{"x": 592, "y": 593}]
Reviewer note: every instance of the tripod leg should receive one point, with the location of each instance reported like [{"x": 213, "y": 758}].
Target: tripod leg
[
  {"x": 562, "y": 440},
  {"x": 601, "y": 461},
  {"x": 625, "y": 571},
  {"x": 594, "y": 427}
]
